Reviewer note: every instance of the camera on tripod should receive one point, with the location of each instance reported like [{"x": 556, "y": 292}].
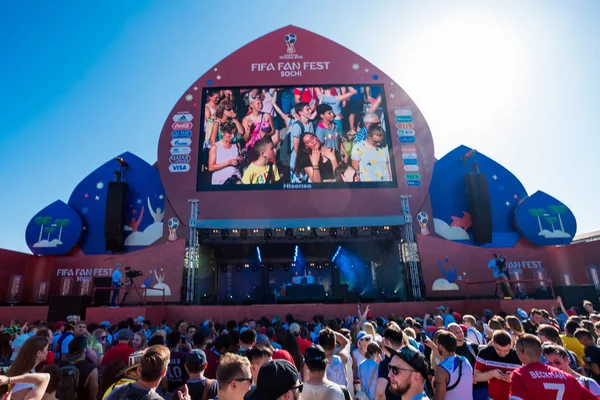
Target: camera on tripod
[{"x": 132, "y": 273}]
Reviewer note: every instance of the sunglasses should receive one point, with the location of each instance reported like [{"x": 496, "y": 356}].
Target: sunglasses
[
  {"x": 368, "y": 339},
  {"x": 102, "y": 337},
  {"x": 228, "y": 109},
  {"x": 299, "y": 387},
  {"x": 243, "y": 380},
  {"x": 396, "y": 370}
]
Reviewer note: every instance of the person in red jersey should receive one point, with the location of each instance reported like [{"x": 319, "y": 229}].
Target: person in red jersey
[{"x": 537, "y": 381}]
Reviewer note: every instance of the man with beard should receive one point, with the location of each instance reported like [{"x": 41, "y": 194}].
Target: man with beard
[{"x": 407, "y": 373}]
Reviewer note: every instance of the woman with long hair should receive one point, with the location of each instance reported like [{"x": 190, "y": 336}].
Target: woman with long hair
[
  {"x": 514, "y": 327},
  {"x": 291, "y": 345},
  {"x": 316, "y": 161},
  {"x": 33, "y": 352},
  {"x": 225, "y": 112},
  {"x": 225, "y": 157},
  {"x": 258, "y": 124},
  {"x": 139, "y": 341}
]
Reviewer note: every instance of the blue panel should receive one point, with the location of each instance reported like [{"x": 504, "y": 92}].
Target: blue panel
[
  {"x": 144, "y": 207},
  {"x": 545, "y": 221},
  {"x": 450, "y": 205},
  {"x": 55, "y": 230}
]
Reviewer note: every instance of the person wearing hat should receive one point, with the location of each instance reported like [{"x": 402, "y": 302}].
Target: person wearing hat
[
  {"x": 127, "y": 375},
  {"x": 392, "y": 338},
  {"x": 121, "y": 350},
  {"x": 302, "y": 343},
  {"x": 277, "y": 380},
  {"x": 277, "y": 354},
  {"x": 358, "y": 355},
  {"x": 197, "y": 384},
  {"x": 407, "y": 372},
  {"x": 317, "y": 386},
  {"x": 88, "y": 373}
]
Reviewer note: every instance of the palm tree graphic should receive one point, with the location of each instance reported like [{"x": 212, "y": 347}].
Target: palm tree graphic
[
  {"x": 42, "y": 221},
  {"x": 49, "y": 230},
  {"x": 557, "y": 210},
  {"x": 537, "y": 212},
  {"x": 551, "y": 221},
  {"x": 62, "y": 223}
]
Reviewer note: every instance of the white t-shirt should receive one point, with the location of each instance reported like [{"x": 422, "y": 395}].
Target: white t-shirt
[
  {"x": 593, "y": 385},
  {"x": 328, "y": 391},
  {"x": 474, "y": 336}
]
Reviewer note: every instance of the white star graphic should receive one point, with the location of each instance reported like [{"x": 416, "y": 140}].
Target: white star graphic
[
  {"x": 195, "y": 88},
  {"x": 494, "y": 177},
  {"x": 100, "y": 185},
  {"x": 355, "y": 66},
  {"x": 392, "y": 83},
  {"x": 218, "y": 77},
  {"x": 366, "y": 69},
  {"x": 97, "y": 197},
  {"x": 507, "y": 203},
  {"x": 216, "y": 69},
  {"x": 189, "y": 97},
  {"x": 161, "y": 197},
  {"x": 392, "y": 95}
]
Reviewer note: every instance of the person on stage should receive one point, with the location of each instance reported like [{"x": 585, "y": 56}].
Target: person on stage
[
  {"x": 310, "y": 280},
  {"x": 297, "y": 279},
  {"x": 117, "y": 280},
  {"x": 497, "y": 266}
]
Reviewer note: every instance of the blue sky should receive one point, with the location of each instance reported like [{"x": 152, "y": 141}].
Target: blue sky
[{"x": 80, "y": 84}]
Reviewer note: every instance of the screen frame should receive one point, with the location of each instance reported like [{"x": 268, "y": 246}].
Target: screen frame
[{"x": 201, "y": 187}]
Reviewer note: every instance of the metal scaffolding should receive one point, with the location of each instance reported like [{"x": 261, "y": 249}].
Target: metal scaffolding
[
  {"x": 410, "y": 250},
  {"x": 192, "y": 253}
]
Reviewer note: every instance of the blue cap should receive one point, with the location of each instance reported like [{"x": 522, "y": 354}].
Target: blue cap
[{"x": 196, "y": 356}]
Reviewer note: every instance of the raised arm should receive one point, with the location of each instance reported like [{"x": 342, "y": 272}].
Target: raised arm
[{"x": 345, "y": 96}]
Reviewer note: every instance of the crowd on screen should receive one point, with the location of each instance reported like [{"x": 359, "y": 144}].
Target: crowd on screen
[
  {"x": 536, "y": 355},
  {"x": 295, "y": 135}
]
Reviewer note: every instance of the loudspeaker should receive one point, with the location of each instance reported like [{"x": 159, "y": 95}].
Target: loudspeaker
[
  {"x": 575, "y": 295},
  {"x": 102, "y": 297},
  {"x": 63, "y": 306},
  {"x": 480, "y": 207},
  {"x": 114, "y": 220}
]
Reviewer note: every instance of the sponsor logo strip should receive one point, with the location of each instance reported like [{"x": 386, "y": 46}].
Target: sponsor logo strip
[
  {"x": 181, "y": 142},
  {"x": 181, "y": 134},
  {"x": 179, "y": 159},
  {"x": 182, "y": 125},
  {"x": 179, "y": 167},
  {"x": 183, "y": 117}
]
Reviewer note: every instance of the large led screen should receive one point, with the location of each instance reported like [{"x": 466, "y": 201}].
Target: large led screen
[{"x": 314, "y": 137}]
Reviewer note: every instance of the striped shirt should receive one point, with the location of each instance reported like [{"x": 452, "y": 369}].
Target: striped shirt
[{"x": 488, "y": 360}]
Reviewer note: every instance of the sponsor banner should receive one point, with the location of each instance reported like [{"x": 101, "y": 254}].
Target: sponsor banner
[
  {"x": 179, "y": 159},
  {"x": 181, "y": 134},
  {"x": 402, "y": 112},
  {"x": 413, "y": 182},
  {"x": 183, "y": 117},
  {"x": 407, "y": 139},
  {"x": 181, "y": 150},
  {"x": 411, "y": 168},
  {"x": 403, "y": 118},
  {"x": 412, "y": 177},
  {"x": 182, "y": 126},
  {"x": 409, "y": 156},
  {"x": 181, "y": 142},
  {"x": 406, "y": 132},
  {"x": 411, "y": 161},
  {"x": 408, "y": 149},
  {"x": 399, "y": 125},
  {"x": 179, "y": 167}
]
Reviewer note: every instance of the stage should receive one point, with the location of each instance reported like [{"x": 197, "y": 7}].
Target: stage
[{"x": 198, "y": 314}]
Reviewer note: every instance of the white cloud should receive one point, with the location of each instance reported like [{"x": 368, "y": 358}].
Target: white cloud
[
  {"x": 150, "y": 235},
  {"x": 442, "y": 284},
  {"x": 449, "y": 232}
]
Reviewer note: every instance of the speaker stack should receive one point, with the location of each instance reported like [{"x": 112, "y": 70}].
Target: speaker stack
[
  {"x": 114, "y": 221},
  {"x": 480, "y": 207}
]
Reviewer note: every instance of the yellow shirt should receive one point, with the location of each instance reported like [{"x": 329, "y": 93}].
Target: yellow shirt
[
  {"x": 572, "y": 344},
  {"x": 122, "y": 381},
  {"x": 255, "y": 175}
]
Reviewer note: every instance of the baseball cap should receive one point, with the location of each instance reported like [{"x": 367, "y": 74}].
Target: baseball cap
[
  {"x": 196, "y": 357},
  {"x": 295, "y": 328},
  {"x": 124, "y": 334},
  {"x": 275, "y": 378},
  {"x": 441, "y": 308},
  {"x": 105, "y": 324},
  {"x": 135, "y": 359},
  {"x": 139, "y": 319},
  {"x": 363, "y": 335},
  {"x": 521, "y": 313},
  {"x": 262, "y": 340},
  {"x": 59, "y": 325},
  {"x": 315, "y": 353},
  {"x": 412, "y": 357}
]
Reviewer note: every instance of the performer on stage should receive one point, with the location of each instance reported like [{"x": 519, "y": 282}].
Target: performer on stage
[
  {"x": 297, "y": 279},
  {"x": 497, "y": 266},
  {"x": 309, "y": 278},
  {"x": 117, "y": 280}
]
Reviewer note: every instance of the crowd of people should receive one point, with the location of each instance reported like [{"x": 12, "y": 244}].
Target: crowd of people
[
  {"x": 295, "y": 135},
  {"x": 535, "y": 355}
]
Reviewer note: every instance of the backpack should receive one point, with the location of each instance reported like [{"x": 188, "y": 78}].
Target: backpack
[
  {"x": 59, "y": 342},
  {"x": 285, "y": 151},
  {"x": 69, "y": 383}
]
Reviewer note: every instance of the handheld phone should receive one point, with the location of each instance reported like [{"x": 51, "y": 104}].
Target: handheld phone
[{"x": 423, "y": 336}]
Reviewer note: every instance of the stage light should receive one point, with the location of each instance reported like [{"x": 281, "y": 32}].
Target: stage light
[
  {"x": 122, "y": 162},
  {"x": 268, "y": 233},
  {"x": 262, "y": 265},
  {"x": 244, "y": 234},
  {"x": 336, "y": 254},
  {"x": 374, "y": 231},
  {"x": 326, "y": 264},
  {"x": 312, "y": 264},
  {"x": 246, "y": 265},
  {"x": 386, "y": 228},
  {"x": 258, "y": 254},
  {"x": 224, "y": 234},
  {"x": 295, "y": 255},
  {"x": 333, "y": 232}
]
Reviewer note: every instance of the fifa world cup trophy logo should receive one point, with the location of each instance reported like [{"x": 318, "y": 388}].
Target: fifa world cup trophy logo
[
  {"x": 422, "y": 219},
  {"x": 173, "y": 224},
  {"x": 290, "y": 39}
]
